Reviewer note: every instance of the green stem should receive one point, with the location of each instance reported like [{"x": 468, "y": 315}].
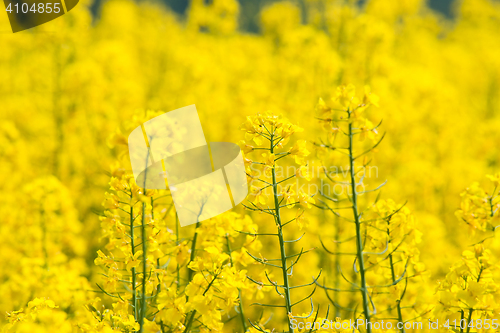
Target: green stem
[
  {"x": 359, "y": 241},
  {"x": 144, "y": 264},
  {"x": 400, "y": 315},
  {"x": 134, "y": 297},
  {"x": 337, "y": 265},
  {"x": 177, "y": 243},
  {"x": 288, "y": 305},
  {"x": 468, "y": 319},
  {"x": 393, "y": 274},
  {"x": 240, "y": 305},
  {"x": 139, "y": 316},
  {"x": 190, "y": 321},
  {"x": 193, "y": 249},
  {"x": 191, "y": 317},
  {"x": 158, "y": 286},
  {"x": 190, "y": 272},
  {"x": 461, "y": 318},
  {"x": 492, "y": 212}
]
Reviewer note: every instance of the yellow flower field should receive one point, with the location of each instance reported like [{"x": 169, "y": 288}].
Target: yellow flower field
[{"x": 371, "y": 141}]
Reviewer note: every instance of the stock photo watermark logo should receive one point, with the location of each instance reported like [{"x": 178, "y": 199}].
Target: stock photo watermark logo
[
  {"x": 26, "y": 14},
  {"x": 205, "y": 180}
]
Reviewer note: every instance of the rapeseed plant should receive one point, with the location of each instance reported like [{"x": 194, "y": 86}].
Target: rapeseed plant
[
  {"x": 385, "y": 235},
  {"x": 267, "y": 135}
]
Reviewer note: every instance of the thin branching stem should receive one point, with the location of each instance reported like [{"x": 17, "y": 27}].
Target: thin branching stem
[
  {"x": 359, "y": 238},
  {"x": 144, "y": 267},
  {"x": 393, "y": 274},
  {"x": 282, "y": 244},
  {"x": 134, "y": 296},
  {"x": 193, "y": 250}
]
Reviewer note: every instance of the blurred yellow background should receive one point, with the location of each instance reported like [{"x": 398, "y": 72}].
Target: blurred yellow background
[{"x": 70, "y": 88}]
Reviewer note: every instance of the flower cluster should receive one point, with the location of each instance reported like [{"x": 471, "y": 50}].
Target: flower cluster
[
  {"x": 480, "y": 209},
  {"x": 164, "y": 278},
  {"x": 470, "y": 292}
]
